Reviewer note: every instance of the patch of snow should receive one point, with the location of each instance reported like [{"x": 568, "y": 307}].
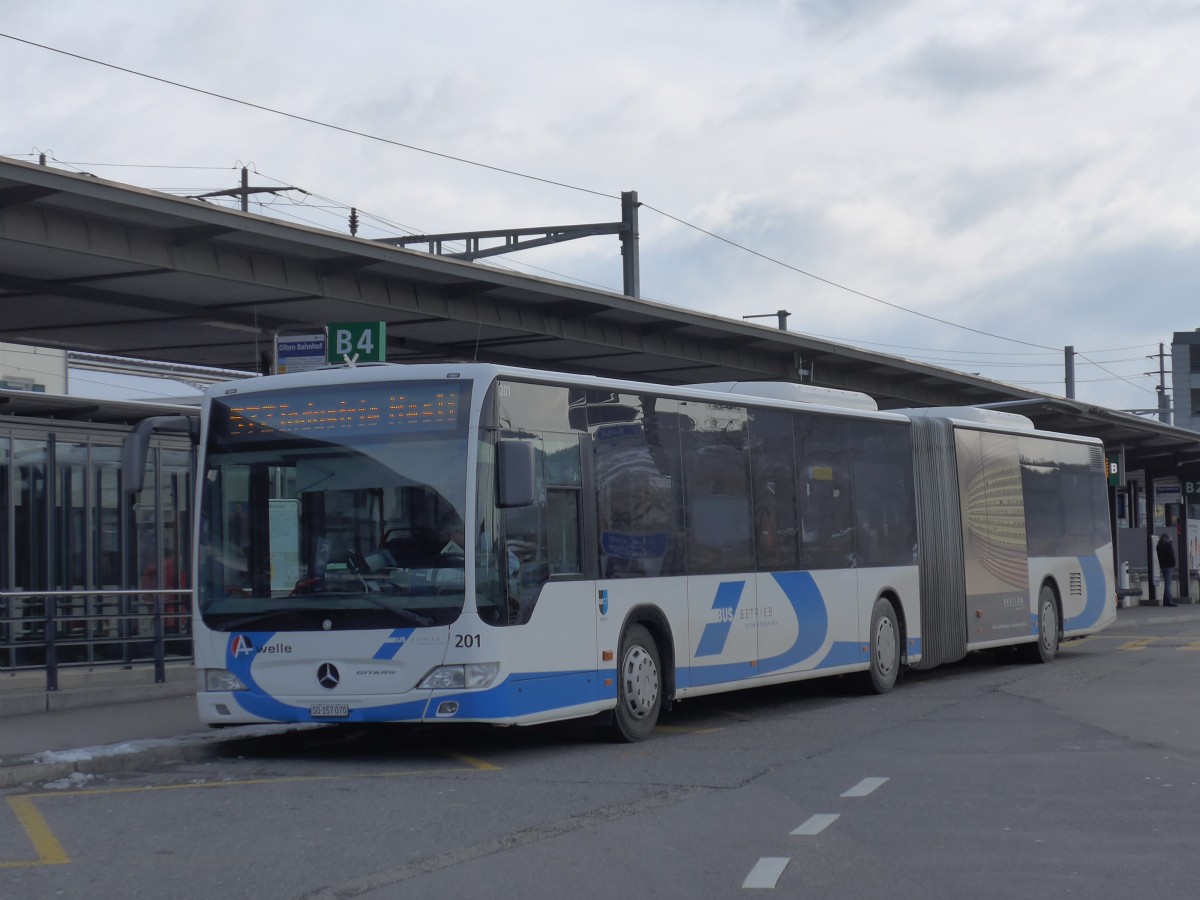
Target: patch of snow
[{"x": 74, "y": 780}]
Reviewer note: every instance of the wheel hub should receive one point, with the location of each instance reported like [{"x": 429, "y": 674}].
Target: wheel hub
[
  {"x": 885, "y": 645},
  {"x": 640, "y": 682}
]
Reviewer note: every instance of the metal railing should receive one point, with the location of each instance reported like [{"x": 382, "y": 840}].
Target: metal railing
[{"x": 110, "y": 627}]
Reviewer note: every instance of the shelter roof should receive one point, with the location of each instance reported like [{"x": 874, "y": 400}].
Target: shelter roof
[
  {"x": 38, "y": 406},
  {"x": 93, "y": 265},
  {"x": 1148, "y": 444}
]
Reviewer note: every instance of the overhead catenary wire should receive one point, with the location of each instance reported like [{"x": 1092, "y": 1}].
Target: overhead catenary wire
[
  {"x": 839, "y": 286},
  {"x": 552, "y": 182},
  {"x": 1055, "y": 352},
  {"x": 300, "y": 118},
  {"x": 277, "y": 203},
  {"x": 1077, "y": 381},
  {"x": 1018, "y": 365}
]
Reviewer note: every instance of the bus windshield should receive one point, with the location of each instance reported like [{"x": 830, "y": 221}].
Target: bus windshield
[{"x": 334, "y": 508}]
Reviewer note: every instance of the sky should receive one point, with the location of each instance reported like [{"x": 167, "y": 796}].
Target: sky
[{"x": 970, "y": 185}]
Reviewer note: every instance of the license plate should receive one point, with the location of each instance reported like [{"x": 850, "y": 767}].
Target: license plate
[{"x": 329, "y": 710}]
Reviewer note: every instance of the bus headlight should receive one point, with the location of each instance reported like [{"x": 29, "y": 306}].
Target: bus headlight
[
  {"x": 472, "y": 675},
  {"x": 222, "y": 680}
]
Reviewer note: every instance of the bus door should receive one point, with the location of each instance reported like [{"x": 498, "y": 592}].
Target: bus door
[
  {"x": 994, "y": 541},
  {"x": 723, "y": 617},
  {"x": 535, "y": 577},
  {"x": 631, "y": 516},
  {"x": 807, "y": 510},
  {"x": 722, "y": 593}
]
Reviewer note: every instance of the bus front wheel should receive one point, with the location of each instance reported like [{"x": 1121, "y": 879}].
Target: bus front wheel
[
  {"x": 884, "y": 647},
  {"x": 639, "y": 686}
]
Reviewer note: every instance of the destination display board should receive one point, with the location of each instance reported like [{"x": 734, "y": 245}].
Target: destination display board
[{"x": 340, "y": 411}]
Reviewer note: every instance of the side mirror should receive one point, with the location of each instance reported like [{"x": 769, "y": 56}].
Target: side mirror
[
  {"x": 517, "y": 485},
  {"x": 137, "y": 445}
]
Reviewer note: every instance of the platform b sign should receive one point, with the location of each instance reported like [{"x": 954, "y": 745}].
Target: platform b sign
[{"x": 357, "y": 342}]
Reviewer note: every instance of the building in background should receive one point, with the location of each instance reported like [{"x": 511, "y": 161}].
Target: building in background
[
  {"x": 33, "y": 369},
  {"x": 102, "y": 377},
  {"x": 1185, "y": 378}
]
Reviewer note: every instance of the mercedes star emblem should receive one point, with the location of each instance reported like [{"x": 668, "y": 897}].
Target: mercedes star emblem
[{"x": 328, "y": 676}]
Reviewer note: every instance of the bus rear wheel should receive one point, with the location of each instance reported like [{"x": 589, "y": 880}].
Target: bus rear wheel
[
  {"x": 884, "y": 647},
  {"x": 1046, "y": 647},
  {"x": 639, "y": 686}
]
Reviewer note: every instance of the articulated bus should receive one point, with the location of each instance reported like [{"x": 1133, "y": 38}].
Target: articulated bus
[{"x": 477, "y": 543}]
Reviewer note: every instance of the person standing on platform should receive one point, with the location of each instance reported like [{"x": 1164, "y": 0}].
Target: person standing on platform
[{"x": 1166, "y": 562}]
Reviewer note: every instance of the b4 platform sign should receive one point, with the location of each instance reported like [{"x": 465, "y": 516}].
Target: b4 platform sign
[{"x": 357, "y": 342}]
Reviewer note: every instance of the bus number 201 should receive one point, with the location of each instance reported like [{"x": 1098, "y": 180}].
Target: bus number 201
[{"x": 467, "y": 640}]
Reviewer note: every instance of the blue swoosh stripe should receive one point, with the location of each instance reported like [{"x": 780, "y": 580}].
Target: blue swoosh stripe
[
  {"x": 712, "y": 641},
  {"x": 1094, "y": 585}
]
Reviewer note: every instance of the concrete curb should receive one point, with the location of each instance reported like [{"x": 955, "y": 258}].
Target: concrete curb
[
  {"x": 41, "y": 768},
  {"x": 130, "y": 756},
  {"x": 23, "y": 703}
]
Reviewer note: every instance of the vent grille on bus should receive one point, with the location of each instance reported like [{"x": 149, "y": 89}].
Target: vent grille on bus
[
  {"x": 1096, "y": 459},
  {"x": 1076, "y": 584},
  {"x": 940, "y": 542}
]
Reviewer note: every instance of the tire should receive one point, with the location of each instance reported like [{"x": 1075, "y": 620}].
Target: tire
[
  {"x": 639, "y": 686},
  {"x": 884, "y": 646},
  {"x": 1046, "y": 647}
]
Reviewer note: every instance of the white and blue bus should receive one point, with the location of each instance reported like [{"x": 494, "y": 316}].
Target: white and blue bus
[{"x": 476, "y": 543}]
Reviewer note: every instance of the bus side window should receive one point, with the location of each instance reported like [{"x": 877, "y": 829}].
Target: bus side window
[
  {"x": 773, "y": 483},
  {"x": 884, "y": 510},
  {"x": 636, "y": 458},
  {"x": 826, "y": 507},
  {"x": 717, "y": 491},
  {"x": 562, "y": 531},
  {"x": 564, "y": 487}
]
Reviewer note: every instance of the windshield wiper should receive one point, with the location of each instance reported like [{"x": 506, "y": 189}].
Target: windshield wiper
[
  {"x": 249, "y": 619},
  {"x": 408, "y": 613},
  {"x": 242, "y": 622}
]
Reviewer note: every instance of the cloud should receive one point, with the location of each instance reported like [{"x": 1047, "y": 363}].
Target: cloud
[
  {"x": 957, "y": 69},
  {"x": 840, "y": 18}
]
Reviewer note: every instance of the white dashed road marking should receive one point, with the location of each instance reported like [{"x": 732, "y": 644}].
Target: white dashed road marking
[
  {"x": 816, "y": 824},
  {"x": 864, "y": 787},
  {"x": 766, "y": 872}
]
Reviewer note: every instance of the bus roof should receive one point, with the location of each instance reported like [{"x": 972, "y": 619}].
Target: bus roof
[
  {"x": 774, "y": 393},
  {"x": 973, "y": 415},
  {"x": 793, "y": 393}
]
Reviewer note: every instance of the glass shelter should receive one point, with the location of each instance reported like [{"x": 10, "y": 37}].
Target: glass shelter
[{"x": 85, "y": 570}]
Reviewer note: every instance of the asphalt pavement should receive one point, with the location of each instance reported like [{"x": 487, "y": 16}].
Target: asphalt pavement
[{"x": 113, "y": 720}]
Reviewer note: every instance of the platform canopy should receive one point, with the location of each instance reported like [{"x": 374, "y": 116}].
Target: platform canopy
[
  {"x": 93, "y": 265},
  {"x": 1147, "y": 444}
]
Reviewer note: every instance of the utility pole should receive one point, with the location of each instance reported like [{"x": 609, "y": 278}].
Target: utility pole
[
  {"x": 1069, "y": 354},
  {"x": 631, "y": 268},
  {"x": 525, "y": 238},
  {"x": 782, "y": 315},
  {"x": 1164, "y": 405},
  {"x": 244, "y": 191}
]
